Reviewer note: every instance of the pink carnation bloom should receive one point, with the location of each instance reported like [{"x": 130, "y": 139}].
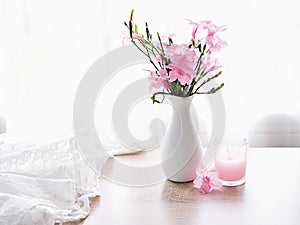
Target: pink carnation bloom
[
  {"x": 158, "y": 79},
  {"x": 210, "y": 64},
  {"x": 207, "y": 180},
  {"x": 183, "y": 61}
]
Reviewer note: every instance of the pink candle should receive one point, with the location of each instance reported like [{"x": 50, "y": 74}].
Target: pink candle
[
  {"x": 231, "y": 166},
  {"x": 231, "y": 161}
]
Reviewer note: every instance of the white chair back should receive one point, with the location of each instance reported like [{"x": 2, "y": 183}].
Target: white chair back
[
  {"x": 276, "y": 130},
  {"x": 2, "y": 125}
]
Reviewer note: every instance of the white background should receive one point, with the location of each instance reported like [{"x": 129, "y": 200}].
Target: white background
[{"x": 47, "y": 46}]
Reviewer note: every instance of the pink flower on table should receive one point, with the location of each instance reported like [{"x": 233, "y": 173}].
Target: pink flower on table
[
  {"x": 207, "y": 180},
  {"x": 183, "y": 61},
  {"x": 157, "y": 79},
  {"x": 210, "y": 63}
]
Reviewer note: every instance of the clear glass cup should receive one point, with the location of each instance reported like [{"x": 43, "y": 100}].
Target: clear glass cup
[{"x": 232, "y": 160}]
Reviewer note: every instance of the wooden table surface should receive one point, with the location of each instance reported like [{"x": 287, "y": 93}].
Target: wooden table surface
[{"x": 270, "y": 196}]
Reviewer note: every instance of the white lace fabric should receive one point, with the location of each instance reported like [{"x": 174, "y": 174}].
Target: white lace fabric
[{"x": 44, "y": 181}]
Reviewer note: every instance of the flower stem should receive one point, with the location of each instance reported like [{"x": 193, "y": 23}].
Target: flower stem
[{"x": 147, "y": 54}]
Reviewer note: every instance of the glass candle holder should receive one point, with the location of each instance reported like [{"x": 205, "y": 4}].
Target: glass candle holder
[{"x": 231, "y": 161}]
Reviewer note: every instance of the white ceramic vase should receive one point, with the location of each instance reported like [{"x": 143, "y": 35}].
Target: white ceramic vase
[{"x": 181, "y": 150}]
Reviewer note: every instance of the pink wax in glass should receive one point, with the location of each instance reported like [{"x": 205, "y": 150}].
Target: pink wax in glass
[
  {"x": 231, "y": 167},
  {"x": 231, "y": 161}
]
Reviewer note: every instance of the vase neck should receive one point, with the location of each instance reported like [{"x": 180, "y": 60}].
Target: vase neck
[{"x": 180, "y": 103}]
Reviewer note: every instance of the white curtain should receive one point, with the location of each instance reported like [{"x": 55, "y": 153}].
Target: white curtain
[{"x": 47, "y": 46}]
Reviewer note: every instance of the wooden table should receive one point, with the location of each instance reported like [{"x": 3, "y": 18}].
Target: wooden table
[{"x": 270, "y": 196}]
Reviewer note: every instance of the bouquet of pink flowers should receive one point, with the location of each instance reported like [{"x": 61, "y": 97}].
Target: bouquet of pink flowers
[{"x": 181, "y": 69}]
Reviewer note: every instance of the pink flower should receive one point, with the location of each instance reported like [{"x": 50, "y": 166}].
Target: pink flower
[
  {"x": 215, "y": 43},
  {"x": 210, "y": 64},
  {"x": 176, "y": 73},
  {"x": 163, "y": 74},
  {"x": 207, "y": 180},
  {"x": 183, "y": 61},
  {"x": 158, "y": 79},
  {"x": 195, "y": 27},
  {"x": 125, "y": 37},
  {"x": 159, "y": 59},
  {"x": 136, "y": 37},
  {"x": 211, "y": 28},
  {"x": 206, "y": 25}
]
